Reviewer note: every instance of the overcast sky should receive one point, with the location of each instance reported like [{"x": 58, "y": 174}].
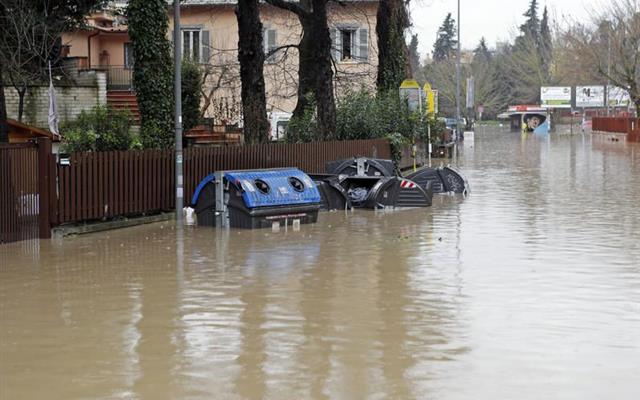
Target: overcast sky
[{"x": 497, "y": 20}]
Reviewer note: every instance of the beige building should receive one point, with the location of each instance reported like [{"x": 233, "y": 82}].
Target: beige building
[{"x": 210, "y": 35}]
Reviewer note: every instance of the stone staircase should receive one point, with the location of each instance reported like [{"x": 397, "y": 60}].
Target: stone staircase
[{"x": 124, "y": 100}]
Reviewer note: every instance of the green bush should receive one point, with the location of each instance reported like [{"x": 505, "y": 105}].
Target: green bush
[
  {"x": 99, "y": 130},
  {"x": 362, "y": 115},
  {"x": 191, "y": 94}
]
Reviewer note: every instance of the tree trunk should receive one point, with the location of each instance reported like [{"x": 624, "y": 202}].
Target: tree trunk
[
  {"x": 251, "y": 58},
  {"x": 22, "y": 91},
  {"x": 4, "y": 126},
  {"x": 315, "y": 73}
]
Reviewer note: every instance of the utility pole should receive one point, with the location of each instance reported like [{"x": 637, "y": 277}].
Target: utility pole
[
  {"x": 608, "y": 69},
  {"x": 177, "y": 58},
  {"x": 458, "y": 80}
]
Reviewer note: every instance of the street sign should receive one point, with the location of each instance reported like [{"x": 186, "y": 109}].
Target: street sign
[
  {"x": 589, "y": 96},
  {"x": 430, "y": 99},
  {"x": 470, "y": 92},
  {"x": 410, "y": 90},
  {"x": 555, "y": 96}
]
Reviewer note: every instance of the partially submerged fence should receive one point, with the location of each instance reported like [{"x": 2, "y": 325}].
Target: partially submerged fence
[
  {"x": 93, "y": 186},
  {"x": 24, "y": 191},
  {"x": 630, "y": 126}
]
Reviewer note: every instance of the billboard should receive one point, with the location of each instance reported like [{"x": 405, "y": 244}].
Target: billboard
[
  {"x": 618, "y": 97},
  {"x": 589, "y": 96},
  {"x": 555, "y": 96}
]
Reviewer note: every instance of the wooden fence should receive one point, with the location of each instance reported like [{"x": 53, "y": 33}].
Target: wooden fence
[
  {"x": 24, "y": 191},
  {"x": 630, "y": 126},
  {"x": 95, "y": 186}
]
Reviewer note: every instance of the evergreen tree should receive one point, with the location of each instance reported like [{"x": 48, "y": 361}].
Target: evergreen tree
[
  {"x": 414, "y": 55},
  {"x": 153, "y": 70},
  {"x": 531, "y": 28},
  {"x": 546, "y": 44},
  {"x": 481, "y": 53},
  {"x": 392, "y": 20},
  {"x": 446, "y": 42}
]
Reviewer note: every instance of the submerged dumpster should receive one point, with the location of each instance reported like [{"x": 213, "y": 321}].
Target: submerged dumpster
[
  {"x": 361, "y": 167},
  {"x": 334, "y": 196},
  {"x": 440, "y": 180},
  {"x": 256, "y": 199},
  {"x": 372, "y": 183}
]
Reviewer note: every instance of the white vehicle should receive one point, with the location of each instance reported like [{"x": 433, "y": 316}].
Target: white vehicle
[{"x": 278, "y": 123}]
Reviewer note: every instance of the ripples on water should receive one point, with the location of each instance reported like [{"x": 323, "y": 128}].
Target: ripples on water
[{"x": 529, "y": 288}]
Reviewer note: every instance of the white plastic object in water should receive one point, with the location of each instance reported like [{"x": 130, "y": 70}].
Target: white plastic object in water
[{"x": 189, "y": 216}]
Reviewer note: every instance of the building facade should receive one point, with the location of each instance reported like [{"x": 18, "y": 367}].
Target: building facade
[{"x": 209, "y": 34}]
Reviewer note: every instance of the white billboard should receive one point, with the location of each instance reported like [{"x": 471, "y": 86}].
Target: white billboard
[
  {"x": 618, "y": 97},
  {"x": 589, "y": 96},
  {"x": 555, "y": 96}
]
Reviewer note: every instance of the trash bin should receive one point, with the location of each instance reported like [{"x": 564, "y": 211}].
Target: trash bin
[
  {"x": 256, "y": 198},
  {"x": 361, "y": 166},
  {"x": 385, "y": 192},
  {"x": 334, "y": 196},
  {"x": 440, "y": 180}
]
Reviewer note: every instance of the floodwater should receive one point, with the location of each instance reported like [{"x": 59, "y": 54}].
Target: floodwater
[{"x": 528, "y": 289}]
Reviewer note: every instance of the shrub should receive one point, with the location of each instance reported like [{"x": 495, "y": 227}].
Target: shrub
[
  {"x": 99, "y": 130},
  {"x": 191, "y": 94}
]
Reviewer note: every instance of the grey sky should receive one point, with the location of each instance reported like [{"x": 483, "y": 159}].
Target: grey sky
[{"x": 497, "y": 20}]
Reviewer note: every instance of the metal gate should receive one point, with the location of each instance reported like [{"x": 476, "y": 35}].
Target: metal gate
[{"x": 23, "y": 175}]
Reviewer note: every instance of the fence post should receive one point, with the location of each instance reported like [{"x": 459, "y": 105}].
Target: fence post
[{"x": 44, "y": 175}]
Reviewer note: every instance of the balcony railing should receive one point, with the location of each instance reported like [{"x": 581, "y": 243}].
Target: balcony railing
[{"x": 119, "y": 77}]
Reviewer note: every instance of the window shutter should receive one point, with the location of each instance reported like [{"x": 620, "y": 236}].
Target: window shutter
[
  {"x": 336, "y": 42},
  {"x": 271, "y": 39},
  {"x": 206, "y": 47},
  {"x": 363, "y": 44}
]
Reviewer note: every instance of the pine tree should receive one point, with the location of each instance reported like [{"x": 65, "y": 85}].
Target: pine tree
[
  {"x": 392, "y": 19},
  {"x": 481, "y": 53},
  {"x": 414, "y": 55},
  {"x": 546, "y": 44},
  {"x": 446, "y": 42},
  {"x": 531, "y": 28}
]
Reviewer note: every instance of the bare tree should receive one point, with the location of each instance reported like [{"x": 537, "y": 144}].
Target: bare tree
[
  {"x": 30, "y": 38},
  {"x": 611, "y": 42}
]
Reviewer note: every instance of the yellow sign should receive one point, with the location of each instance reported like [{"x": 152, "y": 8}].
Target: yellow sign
[
  {"x": 431, "y": 102},
  {"x": 409, "y": 84}
]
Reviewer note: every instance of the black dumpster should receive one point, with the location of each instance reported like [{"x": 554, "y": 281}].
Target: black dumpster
[
  {"x": 385, "y": 192},
  {"x": 334, "y": 196},
  {"x": 440, "y": 180},
  {"x": 361, "y": 166},
  {"x": 256, "y": 199}
]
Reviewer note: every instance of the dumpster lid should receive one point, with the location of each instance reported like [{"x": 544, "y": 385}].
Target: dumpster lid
[
  {"x": 201, "y": 185},
  {"x": 285, "y": 186}
]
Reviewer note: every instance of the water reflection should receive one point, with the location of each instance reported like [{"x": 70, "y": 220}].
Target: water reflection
[{"x": 520, "y": 290}]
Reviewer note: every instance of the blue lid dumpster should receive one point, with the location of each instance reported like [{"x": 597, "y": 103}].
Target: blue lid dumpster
[{"x": 256, "y": 198}]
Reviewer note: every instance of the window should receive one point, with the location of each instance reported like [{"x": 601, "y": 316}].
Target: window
[
  {"x": 269, "y": 37},
  {"x": 350, "y": 44},
  {"x": 347, "y": 50},
  {"x": 191, "y": 44},
  {"x": 128, "y": 55},
  {"x": 195, "y": 44}
]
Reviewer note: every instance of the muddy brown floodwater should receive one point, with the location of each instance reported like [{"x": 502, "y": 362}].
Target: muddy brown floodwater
[{"x": 528, "y": 289}]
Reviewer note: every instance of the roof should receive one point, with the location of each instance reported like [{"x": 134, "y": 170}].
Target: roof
[{"x": 20, "y": 133}]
